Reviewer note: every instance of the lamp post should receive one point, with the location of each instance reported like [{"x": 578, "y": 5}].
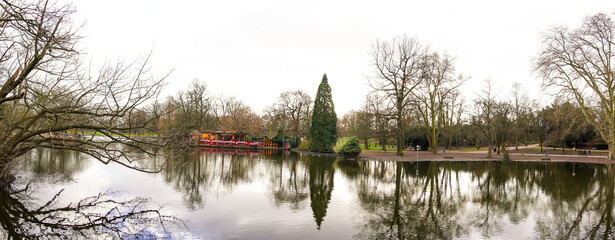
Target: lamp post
[{"x": 418, "y": 147}]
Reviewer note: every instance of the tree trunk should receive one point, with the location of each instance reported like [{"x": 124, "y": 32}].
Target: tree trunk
[
  {"x": 400, "y": 140},
  {"x": 434, "y": 141},
  {"x": 611, "y": 155},
  {"x": 517, "y": 138},
  {"x": 489, "y": 150},
  {"x": 400, "y": 129}
]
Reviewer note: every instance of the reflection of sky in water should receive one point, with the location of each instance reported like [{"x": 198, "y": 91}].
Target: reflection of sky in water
[{"x": 236, "y": 196}]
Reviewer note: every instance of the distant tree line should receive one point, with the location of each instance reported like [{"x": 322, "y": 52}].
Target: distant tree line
[{"x": 416, "y": 101}]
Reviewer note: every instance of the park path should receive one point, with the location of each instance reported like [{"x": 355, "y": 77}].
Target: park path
[{"x": 479, "y": 156}]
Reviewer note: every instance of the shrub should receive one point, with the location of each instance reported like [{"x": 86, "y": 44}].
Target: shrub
[
  {"x": 348, "y": 146},
  {"x": 304, "y": 145},
  {"x": 340, "y": 143}
]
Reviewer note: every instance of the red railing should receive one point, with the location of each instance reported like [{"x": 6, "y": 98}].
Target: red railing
[{"x": 218, "y": 143}]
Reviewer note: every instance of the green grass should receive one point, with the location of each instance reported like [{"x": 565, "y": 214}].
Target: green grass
[
  {"x": 468, "y": 150},
  {"x": 374, "y": 148}
]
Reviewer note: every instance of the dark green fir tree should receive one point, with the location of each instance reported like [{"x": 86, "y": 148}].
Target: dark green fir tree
[{"x": 324, "y": 120}]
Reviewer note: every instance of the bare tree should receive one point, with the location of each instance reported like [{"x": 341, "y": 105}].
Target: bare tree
[
  {"x": 188, "y": 111},
  {"x": 397, "y": 67},
  {"x": 520, "y": 103},
  {"x": 483, "y": 120},
  {"x": 579, "y": 63},
  {"x": 237, "y": 116},
  {"x": 502, "y": 124},
  {"x": 379, "y": 108},
  {"x": 201, "y": 105},
  {"x": 453, "y": 112},
  {"x": 436, "y": 84},
  {"x": 295, "y": 107},
  {"x": 357, "y": 123},
  {"x": 47, "y": 97}
]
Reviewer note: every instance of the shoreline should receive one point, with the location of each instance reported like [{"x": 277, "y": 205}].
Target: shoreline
[
  {"x": 424, "y": 156},
  {"x": 317, "y": 153}
]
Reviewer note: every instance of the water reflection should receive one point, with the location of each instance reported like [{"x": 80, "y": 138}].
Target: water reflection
[
  {"x": 100, "y": 216},
  {"x": 439, "y": 200},
  {"x": 390, "y": 200},
  {"x": 61, "y": 165},
  {"x": 321, "y": 186},
  {"x": 289, "y": 183},
  {"x": 453, "y": 200}
]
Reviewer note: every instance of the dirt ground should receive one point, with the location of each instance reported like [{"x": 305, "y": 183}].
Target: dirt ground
[{"x": 478, "y": 156}]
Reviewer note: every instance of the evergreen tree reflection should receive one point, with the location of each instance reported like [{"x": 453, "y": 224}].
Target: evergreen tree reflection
[{"x": 321, "y": 185}]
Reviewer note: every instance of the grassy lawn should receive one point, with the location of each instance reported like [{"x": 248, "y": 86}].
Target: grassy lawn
[{"x": 378, "y": 148}]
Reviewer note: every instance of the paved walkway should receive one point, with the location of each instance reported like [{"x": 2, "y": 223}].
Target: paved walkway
[{"x": 479, "y": 156}]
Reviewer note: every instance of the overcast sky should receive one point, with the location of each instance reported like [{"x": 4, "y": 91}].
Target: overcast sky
[{"x": 255, "y": 50}]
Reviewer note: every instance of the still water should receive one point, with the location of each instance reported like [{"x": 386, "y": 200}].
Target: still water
[{"x": 205, "y": 194}]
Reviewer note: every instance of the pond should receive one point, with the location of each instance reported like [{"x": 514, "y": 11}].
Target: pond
[{"x": 211, "y": 194}]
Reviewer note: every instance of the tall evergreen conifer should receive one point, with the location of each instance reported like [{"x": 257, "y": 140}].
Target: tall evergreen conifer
[{"x": 324, "y": 120}]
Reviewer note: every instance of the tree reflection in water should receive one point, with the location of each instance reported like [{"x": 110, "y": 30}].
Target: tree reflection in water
[
  {"x": 104, "y": 215},
  {"x": 392, "y": 200},
  {"x": 426, "y": 200},
  {"x": 321, "y": 185},
  {"x": 200, "y": 172},
  {"x": 99, "y": 216},
  {"x": 445, "y": 200},
  {"x": 406, "y": 201},
  {"x": 289, "y": 182}
]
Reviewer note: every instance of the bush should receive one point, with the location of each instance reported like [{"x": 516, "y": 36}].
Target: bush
[
  {"x": 348, "y": 146},
  {"x": 340, "y": 143},
  {"x": 304, "y": 145}
]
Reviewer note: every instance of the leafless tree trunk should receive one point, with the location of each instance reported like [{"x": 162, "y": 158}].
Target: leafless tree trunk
[
  {"x": 520, "y": 101},
  {"x": 235, "y": 115},
  {"x": 46, "y": 97},
  {"x": 452, "y": 114},
  {"x": 294, "y": 107},
  {"x": 579, "y": 63},
  {"x": 437, "y": 83},
  {"x": 397, "y": 67},
  {"x": 381, "y": 111},
  {"x": 483, "y": 119}
]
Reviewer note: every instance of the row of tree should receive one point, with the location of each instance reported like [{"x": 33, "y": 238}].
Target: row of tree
[
  {"x": 488, "y": 122},
  {"x": 198, "y": 109},
  {"x": 417, "y": 90},
  {"x": 416, "y": 100},
  {"x": 49, "y": 98}
]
